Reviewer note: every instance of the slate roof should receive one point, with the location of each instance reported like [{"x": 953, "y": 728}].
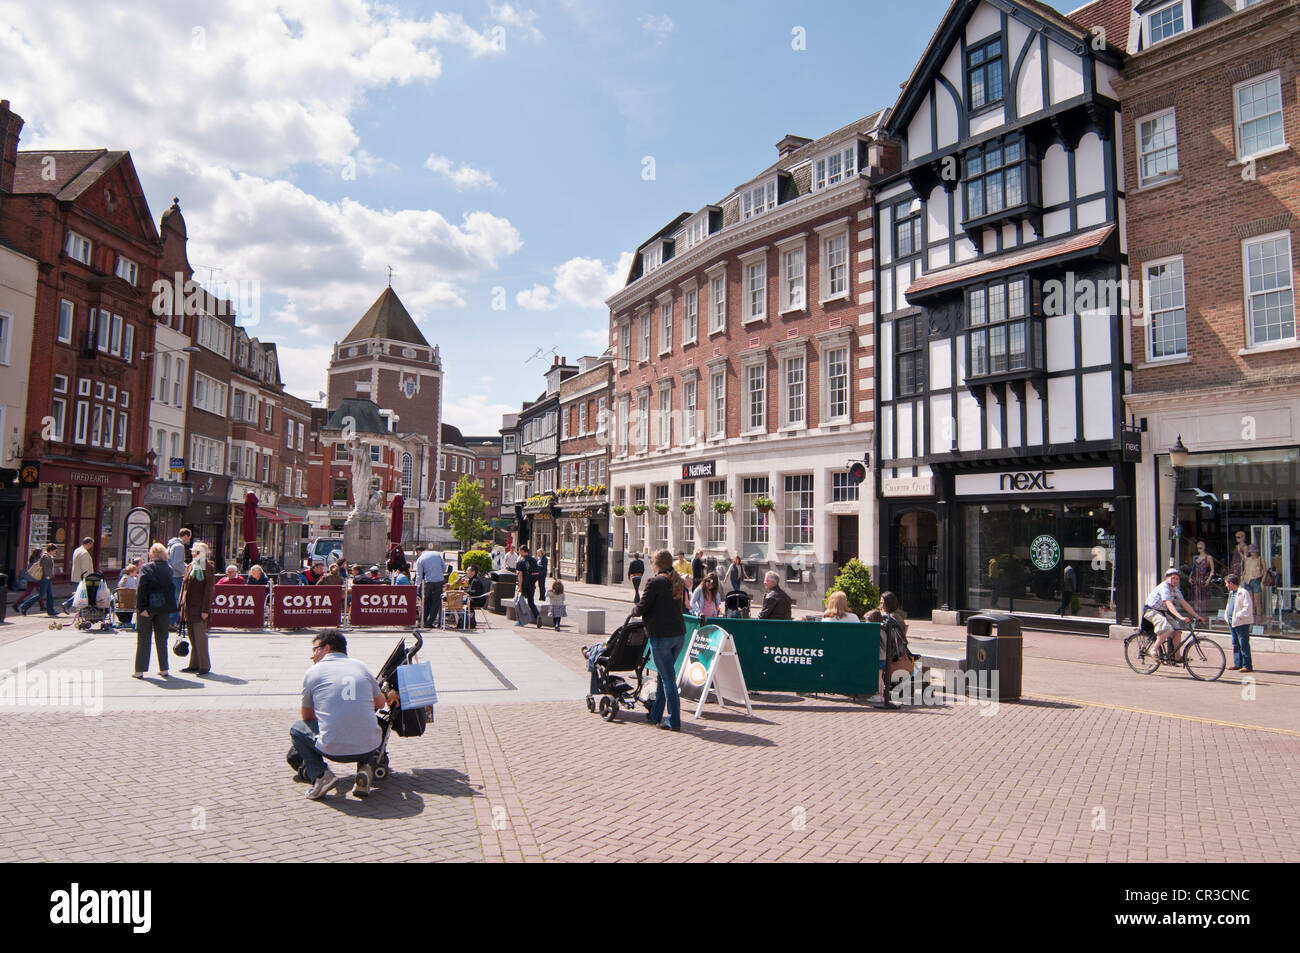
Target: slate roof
[{"x": 388, "y": 319}]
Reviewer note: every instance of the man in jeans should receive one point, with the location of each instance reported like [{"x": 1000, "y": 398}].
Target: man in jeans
[
  {"x": 339, "y": 701},
  {"x": 1162, "y": 603},
  {"x": 430, "y": 575},
  {"x": 44, "y": 593},
  {"x": 177, "y": 547}
]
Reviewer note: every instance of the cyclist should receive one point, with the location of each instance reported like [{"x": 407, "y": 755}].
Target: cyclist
[{"x": 1163, "y": 603}]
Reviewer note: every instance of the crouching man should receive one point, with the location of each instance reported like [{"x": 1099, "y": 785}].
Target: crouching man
[{"x": 339, "y": 701}]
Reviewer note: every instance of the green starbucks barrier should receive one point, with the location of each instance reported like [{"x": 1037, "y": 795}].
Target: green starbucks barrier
[{"x": 838, "y": 658}]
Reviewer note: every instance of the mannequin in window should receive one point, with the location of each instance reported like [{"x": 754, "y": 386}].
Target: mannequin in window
[
  {"x": 1237, "y": 564},
  {"x": 1202, "y": 573},
  {"x": 1252, "y": 578}
]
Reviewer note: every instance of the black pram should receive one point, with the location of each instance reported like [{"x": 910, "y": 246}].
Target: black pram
[
  {"x": 625, "y": 651},
  {"x": 407, "y": 723},
  {"x": 737, "y": 604}
]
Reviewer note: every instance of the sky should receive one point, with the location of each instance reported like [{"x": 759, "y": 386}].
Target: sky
[{"x": 504, "y": 159}]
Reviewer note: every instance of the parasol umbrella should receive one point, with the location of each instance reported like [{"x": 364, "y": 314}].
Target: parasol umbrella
[
  {"x": 395, "y": 527},
  {"x": 250, "y": 528}
]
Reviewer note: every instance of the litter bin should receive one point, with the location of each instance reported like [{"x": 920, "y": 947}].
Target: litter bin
[
  {"x": 995, "y": 650},
  {"x": 4, "y": 595},
  {"x": 503, "y": 590}
]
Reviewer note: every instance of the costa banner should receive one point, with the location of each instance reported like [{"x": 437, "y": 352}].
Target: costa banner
[
  {"x": 306, "y": 607},
  {"x": 383, "y": 605},
  {"x": 237, "y": 607}
]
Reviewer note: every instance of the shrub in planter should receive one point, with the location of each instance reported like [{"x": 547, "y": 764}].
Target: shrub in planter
[
  {"x": 764, "y": 504},
  {"x": 639, "y": 509},
  {"x": 661, "y": 508},
  {"x": 618, "y": 510},
  {"x": 479, "y": 560},
  {"x": 688, "y": 508},
  {"x": 854, "y": 580},
  {"x": 722, "y": 506}
]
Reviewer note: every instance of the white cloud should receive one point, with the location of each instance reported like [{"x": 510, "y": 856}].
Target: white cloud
[
  {"x": 586, "y": 283},
  {"x": 461, "y": 176},
  {"x": 507, "y": 14},
  {"x": 596, "y": 337},
  {"x": 474, "y": 414},
  {"x": 536, "y": 298},
  {"x": 657, "y": 26}
]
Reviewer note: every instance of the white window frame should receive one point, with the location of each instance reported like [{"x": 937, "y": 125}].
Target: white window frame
[
  {"x": 1143, "y": 180},
  {"x": 665, "y": 412},
  {"x": 826, "y": 234},
  {"x": 128, "y": 343},
  {"x": 824, "y": 178},
  {"x": 6, "y": 329},
  {"x": 747, "y": 425},
  {"x": 690, "y": 408},
  {"x": 67, "y": 321},
  {"x": 794, "y": 245},
  {"x": 77, "y": 247},
  {"x": 652, "y": 258},
  {"x": 127, "y": 270},
  {"x": 1147, "y": 268},
  {"x": 829, "y": 349},
  {"x": 717, "y": 282},
  {"x": 786, "y": 361},
  {"x": 753, "y": 271},
  {"x": 717, "y": 429},
  {"x": 643, "y": 351},
  {"x": 59, "y": 415},
  {"x": 1251, "y": 343},
  {"x": 1243, "y": 156},
  {"x": 1147, "y": 17},
  {"x": 758, "y": 199},
  {"x": 690, "y": 313},
  {"x": 115, "y": 336},
  {"x": 82, "y": 420},
  {"x": 665, "y": 311}
]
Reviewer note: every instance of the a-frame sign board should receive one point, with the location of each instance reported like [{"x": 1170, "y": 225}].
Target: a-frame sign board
[{"x": 712, "y": 664}]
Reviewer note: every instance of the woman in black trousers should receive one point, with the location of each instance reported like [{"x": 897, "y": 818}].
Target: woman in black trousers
[
  {"x": 155, "y": 601},
  {"x": 661, "y": 607}
]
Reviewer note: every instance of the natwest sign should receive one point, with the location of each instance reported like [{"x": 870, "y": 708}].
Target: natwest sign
[
  {"x": 306, "y": 607},
  {"x": 693, "y": 471},
  {"x": 237, "y": 607},
  {"x": 383, "y": 605}
]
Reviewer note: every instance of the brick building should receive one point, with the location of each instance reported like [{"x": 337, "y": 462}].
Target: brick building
[
  {"x": 582, "y": 527},
  {"x": 1210, "y": 113},
  {"x": 82, "y": 215},
  {"x": 487, "y": 467},
  {"x": 743, "y": 369}
]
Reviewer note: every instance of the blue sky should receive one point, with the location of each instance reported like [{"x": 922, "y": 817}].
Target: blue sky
[{"x": 483, "y": 150}]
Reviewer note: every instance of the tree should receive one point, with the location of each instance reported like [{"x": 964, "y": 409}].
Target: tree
[
  {"x": 465, "y": 511},
  {"x": 854, "y": 580}
]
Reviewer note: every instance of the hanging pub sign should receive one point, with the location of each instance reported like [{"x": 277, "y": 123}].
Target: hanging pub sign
[
  {"x": 383, "y": 605},
  {"x": 306, "y": 607},
  {"x": 704, "y": 468},
  {"x": 237, "y": 607},
  {"x": 29, "y": 475},
  {"x": 1131, "y": 443}
]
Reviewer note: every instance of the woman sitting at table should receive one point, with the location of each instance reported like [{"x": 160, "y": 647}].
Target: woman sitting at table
[
  {"x": 837, "y": 609},
  {"x": 256, "y": 576}
]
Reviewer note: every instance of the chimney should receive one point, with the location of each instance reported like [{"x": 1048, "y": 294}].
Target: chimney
[
  {"x": 11, "y": 125},
  {"x": 789, "y": 144}
]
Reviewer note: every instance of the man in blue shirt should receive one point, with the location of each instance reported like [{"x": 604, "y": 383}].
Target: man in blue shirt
[
  {"x": 177, "y": 547},
  {"x": 1162, "y": 603},
  {"x": 339, "y": 701},
  {"x": 430, "y": 574}
]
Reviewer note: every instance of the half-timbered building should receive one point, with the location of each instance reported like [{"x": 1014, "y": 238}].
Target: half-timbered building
[{"x": 1003, "y": 357}]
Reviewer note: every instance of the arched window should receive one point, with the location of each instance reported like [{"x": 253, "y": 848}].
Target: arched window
[{"x": 407, "y": 470}]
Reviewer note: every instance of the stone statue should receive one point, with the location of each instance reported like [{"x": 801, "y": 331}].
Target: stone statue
[{"x": 359, "y": 453}]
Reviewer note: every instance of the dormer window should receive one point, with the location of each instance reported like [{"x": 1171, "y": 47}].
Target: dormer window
[
  {"x": 652, "y": 257},
  {"x": 984, "y": 73},
  {"x": 756, "y": 201},
  {"x": 697, "y": 229},
  {"x": 835, "y": 168},
  {"x": 1165, "y": 20}
]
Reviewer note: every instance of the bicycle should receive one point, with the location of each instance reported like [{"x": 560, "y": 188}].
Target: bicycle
[{"x": 1203, "y": 658}]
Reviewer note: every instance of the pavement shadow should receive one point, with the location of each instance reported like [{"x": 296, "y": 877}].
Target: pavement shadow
[
  {"x": 1041, "y": 703},
  {"x": 225, "y": 679},
  {"x": 173, "y": 684},
  {"x": 401, "y": 794}
]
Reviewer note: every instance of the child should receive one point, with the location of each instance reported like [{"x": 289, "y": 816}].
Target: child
[{"x": 556, "y": 602}]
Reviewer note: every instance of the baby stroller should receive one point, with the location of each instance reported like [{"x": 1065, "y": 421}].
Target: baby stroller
[
  {"x": 92, "y": 602},
  {"x": 626, "y": 651},
  {"x": 737, "y": 604},
  {"x": 407, "y": 724}
]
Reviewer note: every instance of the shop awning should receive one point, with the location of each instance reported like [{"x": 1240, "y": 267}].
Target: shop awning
[
  {"x": 273, "y": 515},
  {"x": 991, "y": 266}
]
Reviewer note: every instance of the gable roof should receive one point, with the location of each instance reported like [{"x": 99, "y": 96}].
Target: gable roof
[
  {"x": 71, "y": 172},
  {"x": 1113, "y": 16},
  {"x": 1038, "y": 15},
  {"x": 364, "y": 414},
  {"x": 387, "y": 318}
]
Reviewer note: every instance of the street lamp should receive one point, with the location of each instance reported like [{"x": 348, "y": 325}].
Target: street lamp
[
  {"x": 1178, "y": 460},
  {"x": 188, "y": 349}
]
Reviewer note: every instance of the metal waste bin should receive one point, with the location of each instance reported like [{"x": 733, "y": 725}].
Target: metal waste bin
[
  {"x": 4, "y": 595},
  {"x": 995, "y": 651},
  {"x": 503, "y": 590}
]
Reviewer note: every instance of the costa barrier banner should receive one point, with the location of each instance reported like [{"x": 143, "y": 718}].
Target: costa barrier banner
[
  {"x": 306, "y": 607},
  {"x": 383, "y": 605},
  {"x": 237, "y": 607}
]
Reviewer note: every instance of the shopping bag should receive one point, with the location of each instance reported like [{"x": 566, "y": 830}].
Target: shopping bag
[
  {"x": 415, "y": 688},
  {"x": 522, "y": 612}
]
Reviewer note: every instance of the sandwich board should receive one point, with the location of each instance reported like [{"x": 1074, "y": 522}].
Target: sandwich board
[{"x": 711, "y": 663}]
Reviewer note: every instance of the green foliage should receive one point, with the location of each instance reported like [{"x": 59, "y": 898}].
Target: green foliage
[
  {"x": 479, "y": 560},
  {"x": 854, "y": 580},
  {"x": 466, "y": 511}
]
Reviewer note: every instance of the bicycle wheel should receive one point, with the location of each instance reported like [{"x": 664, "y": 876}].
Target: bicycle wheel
[
  {"x": 1140, "y": 643},
  {"x": 1204, "y": 659}
]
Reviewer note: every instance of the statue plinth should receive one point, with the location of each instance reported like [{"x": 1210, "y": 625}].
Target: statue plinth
[{"x": 365, "y": 539}]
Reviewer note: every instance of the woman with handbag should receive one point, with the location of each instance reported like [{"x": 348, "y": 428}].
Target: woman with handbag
[
  {"x": 661, "y": 609},
  {"x": 895, "y": 656},
  {"x": 43, "y": 572},
  {"x": 155, "y": 602},
  {"x": 31, "y": 575},
  {"x": 196, "y": 603}
]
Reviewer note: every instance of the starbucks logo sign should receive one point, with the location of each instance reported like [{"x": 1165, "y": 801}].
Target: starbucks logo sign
[{"x": 1045, "y": 553}]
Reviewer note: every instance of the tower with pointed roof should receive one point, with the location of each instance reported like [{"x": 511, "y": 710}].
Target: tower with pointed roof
[{"x": 385, "y": 359}]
